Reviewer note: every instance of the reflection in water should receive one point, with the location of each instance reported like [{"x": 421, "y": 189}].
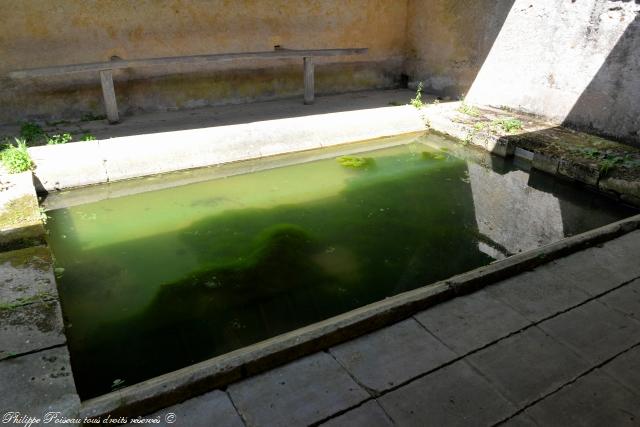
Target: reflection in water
[
  {"x": 159, "y": 280},
  {"x": 512, "y": 215},
  {"x": 517, "y": 210}
]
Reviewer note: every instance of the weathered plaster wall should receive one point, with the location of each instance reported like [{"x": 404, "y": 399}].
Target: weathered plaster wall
[
  {"x": 448, "y": 41},
  {"x": 573, "y": 61},
  {"x": 576, "y": 62},
  {"x": 37, "y": 33}
]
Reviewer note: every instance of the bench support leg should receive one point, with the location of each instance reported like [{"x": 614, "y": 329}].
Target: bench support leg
[
  {"x": 309, "y": 83},
  {"x": 109, "y": 96}
]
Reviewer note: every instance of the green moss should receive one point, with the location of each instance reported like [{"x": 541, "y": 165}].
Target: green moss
[
  {"x": 39, "y": 297},
  {"x": 427, "y": 155},
  {"x": 508, "y": 124},
  {"x": 469, "y": 110},
  {"x": 280, "y": 252},
  {"x": 20, "y": 211},
  {"x": 354, "y": 162}
]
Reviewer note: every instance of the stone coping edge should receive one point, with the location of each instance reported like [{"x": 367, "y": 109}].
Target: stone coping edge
[
  {"x": 218, "y": 372},
  {"x": 442, "y": 120},
  {"x": 145, "y": 154}
]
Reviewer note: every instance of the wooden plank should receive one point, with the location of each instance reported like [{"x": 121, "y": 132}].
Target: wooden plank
[
  {"x": 193, "y": 59},
  {"x": 309, "y": 81},
  {"x": 109, "y": 96}
]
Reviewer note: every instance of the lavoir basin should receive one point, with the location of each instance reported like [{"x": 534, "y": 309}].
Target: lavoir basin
[{"x": 159, "y": 273}]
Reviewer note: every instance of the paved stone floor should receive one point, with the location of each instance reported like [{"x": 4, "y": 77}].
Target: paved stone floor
[{"x": 557, "y": 346}]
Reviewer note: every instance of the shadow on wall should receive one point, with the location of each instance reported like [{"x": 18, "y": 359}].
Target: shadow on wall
[
  {"x": 452, "y": 39},
  {"x": 575, "y": 62},
  {"x": 610, "y": 104}
]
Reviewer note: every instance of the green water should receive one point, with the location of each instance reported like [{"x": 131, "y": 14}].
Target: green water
[{"x": 155, "y": 281}]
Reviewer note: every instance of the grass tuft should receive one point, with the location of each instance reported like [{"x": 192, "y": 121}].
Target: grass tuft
[
  {"x": 59, "y": 139},
  {"x": 15, "y": 158}
]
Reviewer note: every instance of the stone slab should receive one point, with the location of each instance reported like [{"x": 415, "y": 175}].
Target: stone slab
[
  {"x": 455, "y": 395},
  {"x": 589, "y": 270},
  {"x": 626, "y": 369},
  {"x": 528, "y": 365},
  {"x": 537, "y": 294},
  {"x": 68, "y": 165},
  {"x": 620, "y": 186},
  {"x": 626, "y": 299},
  {"x": 369, "y": 414},
  {"x": 150, "y": 154},
  {"x": 519, "y": 420},
  {"x": 210, "y": 409},
  {"x": 624, "y": 252},
  {"x": 283, "y": 396},
  {"x": 471, "y": 321},
  {"x": 153, "y": 152},
  {"x": 26, "y": 276},
  {"x": 593, "y": 400},
  {"x": 20, "y": 222},
  {"x": 594, "y": 331},
  {"x": 392, "y": 356},
  {"x": 545, "y": 163},
  {"x": 30, "y": 327},
  {"x": 578, "y": 171},
  {"x": 38, "y": 383}
]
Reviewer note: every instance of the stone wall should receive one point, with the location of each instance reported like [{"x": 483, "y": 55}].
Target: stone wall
[
  {"x": 39, "y": 33},
  {"x": 574, "y": 62},
  {"x": 448, "y": 41}
]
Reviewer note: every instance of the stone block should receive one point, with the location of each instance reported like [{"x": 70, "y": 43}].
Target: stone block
[
  {"x": 455, "y": 395},
  {"x": 620, "y": 186},
  {"x": 590, "y": 270},
  {"x": 471, "y": 321},
  {"x": 579, "y": 172},
  {"x": 210, "y": 409},
  {"x": 30, "y": 327},
  {"x": 537, "y": 294},
  {"x": 26, "y": 276},
  {"x": 37, "y": 383},
  {"x": 392, "y": 355},
  {"x": 369, "y": 414},
  {"x": 626, "y": 369},
  {"x": 594, "y": 331},
  {"x": 301, "y": 393},
  {"x": 545, "y": 163},
  {"x": 593, "y": 400},
  {"x": 528, "y": 365},
  {"x": 59, "y": 166},
  {"x": 626, "y": 299}
]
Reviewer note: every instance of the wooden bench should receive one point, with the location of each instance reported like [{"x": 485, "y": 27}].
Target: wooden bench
[{"x": 106, "y": 69}]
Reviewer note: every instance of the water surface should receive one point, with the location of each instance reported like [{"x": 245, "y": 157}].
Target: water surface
[{"x": 158, "y": 280}]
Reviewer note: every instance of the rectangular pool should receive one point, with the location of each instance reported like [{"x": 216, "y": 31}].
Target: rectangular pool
[{"x": 154, "y": 276}]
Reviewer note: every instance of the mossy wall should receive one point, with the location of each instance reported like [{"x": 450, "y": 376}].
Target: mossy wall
[{"x": 40, "y": 33}]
